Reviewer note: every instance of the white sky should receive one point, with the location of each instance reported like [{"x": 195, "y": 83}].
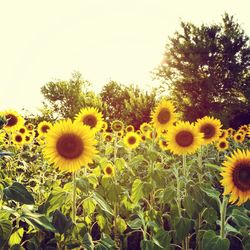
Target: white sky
[{"x": 122, "y": 40}]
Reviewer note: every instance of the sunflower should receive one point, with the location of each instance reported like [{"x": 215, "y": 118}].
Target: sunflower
[
  {"x": 18, "y": 139},
  {"x": 143, "y": 137},
  {"x": 70, "y": 145},
  {"x": 222, "y": 144},
  {"x": 108, "y": 137},
  {"x": 131, "y": 140},
  {"x": 183, "y": 138},
  {"x": 43, "y": 128},
  {"x": 30, "y": 126},
  {"x": 144, "y": 127},
  {"x": 163, "y": 144},
  {"x": 130, "y": 128},
  {"x": 90, "y": 117},
  {"x": 109, "y": 170},
  {"x": 152, "y": 134},
  {"x": 230, "y": 131},
  {"x": 104, "y": 126},
  {"x": 238, "y": 137},
  {"x": 117, "y": 126},
  {"x": 13, "y": 120},
  {"x": 210, "y": 127},
  {"x": 120, "y": 133},
  {"x": 164, "y": 115},
  {"x": 22, "y": 130},
  {"x": 236, "y": 176},
  {"x": 223, "y": 134},
  {"x": 244, "y": 127}
]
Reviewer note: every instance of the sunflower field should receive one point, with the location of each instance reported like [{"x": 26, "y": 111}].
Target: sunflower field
[{"x": 89, "y": 184}]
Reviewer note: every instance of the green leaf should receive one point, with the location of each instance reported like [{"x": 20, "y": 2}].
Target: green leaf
[
  {"x": 168, "y": 194},
  {"x": 240, "y": 218},
  {"x": 17, "y": 247},
  {"x": 163, "y": 239},
  {"x": 121, "y": 224},
  {"x": 87, "y": 242},
  {"x": 102, "y": 203},
  {"x": 16, "y": 237},
  {"x": 18, "y": 192},
  {"x": 39, "y": 220},
  {"x": 182, "y": 226},
  {"x": 147, "y": 245},
  {"x": 5, "y": 229},
  {"x": 211, "y": 241},
  {"x": 61, "y": 222},
  {"x": 89, "y": 205},
  {"x": 106, "y": 243},
  {"x": 210, "y": 215},
  {"x": 82, "y": 184},
  {"x": 137, "y": 191},
  {"x": 213, "y": 194},
  {"x": 190, "y": 205},
  {"x": 120, "y": 163},
  {"x": 101, "y": 221},
  {"x": 136, "y": 161},
  {"x": 135, "y": 224}
]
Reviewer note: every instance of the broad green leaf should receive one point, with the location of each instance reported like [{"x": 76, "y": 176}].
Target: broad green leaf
[
  {"x": 16, "y": 237},
  {"x": 190, "y": 206},
  {"x": 102, "y": 203},
  {"x": 182, "y": 226},
  {"x": 5, "y": 229},
  {"x": 168, "y": 194},
  {"x": 82, "y": 184},
  {"x": 88, "y": 242},
  {"x": 121, "y": 224},
  {"x": 101, "y": 221},
  {"x": 210, "y": 215},
  {"x": 106, "y": 243},
  {"x": 136, "y": 161},
  {"x": 61, "y": 222},
  {"x": 18, "y": 192},
  {"x": 137, "y": 191},
  {"x": 89, "y": 205},
  {"x": 135, "y": 224},
  {"x": 213, "y": 194},
  {"x": 240, "y": 218},
  {"x": 120, "y": 163},
  {"x": 163, "y": 239},
  {"x": 211, "y": 241},
  {"x": 147, "y": 245},
  {"x": 38, "y": 220}
]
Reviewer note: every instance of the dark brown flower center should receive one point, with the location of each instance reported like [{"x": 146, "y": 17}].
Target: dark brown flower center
[
  {"x": 164, "y": 143},
  {"x": 129, "y": 129},
  {"x": 184, "y": 138},
  {"x": 45, "y": 128},
  {"x": 30, "y": 127},
  {"x": 18, "y": 138},
  {"x": 131, "y": 140},
  {"x": 109, "y": 170},
  {"x": 222, "y": 134},
  {"x": 208, "y": 130},
  {"x": 163, "y": 116},
  {"x": 22, "y": 130},
  {"x": 222, "y": 144},
  {"x": 117, "y": 127},
  {"x": 27, "y": 138},
  {"x": 69, "y": 146},
  {"x": 241, "y": 175},
  {"x": 108, "y": 138},
  {"x": 11, "y": 120},
  {"x": 90, "y": 120},
  {"x": 238, "y": 137}
]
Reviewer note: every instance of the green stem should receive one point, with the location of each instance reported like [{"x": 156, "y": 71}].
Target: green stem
[
  {"x": 178, "y": 191},
  {"x": 74, "y": 197},
  {"x": 223, "y": 211},
  {"x": 200, "y": 165},
  {"x": 184, "y": 161}
]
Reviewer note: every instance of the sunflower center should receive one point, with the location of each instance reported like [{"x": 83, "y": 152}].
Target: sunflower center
[
  {"x": 18, "y": 138},
  {"x": 90, "y": 120},
  {"x": 163, "y": 116},
  {"x": 109, "y": 170},
  {"x": 241, "y": 176},
  {"x": 22, "y": 130},
  {"x": 131, "y": 140},
  {"x": 208, "y": 130},
  {"x": 164, "y": 143},
  {"x": 11, "y": 120},
  {"x": 69, "y": 146},
  {"x": 45, "y": 128},
  {"x": 184, "y": 138},
  {"x": 108, "y": 138},
  {"x": 222, "y": 144},
  {"x": 238, "y": 137}
]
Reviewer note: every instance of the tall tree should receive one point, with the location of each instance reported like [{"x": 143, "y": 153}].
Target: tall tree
[
  {"x": 64, "y": 99},
  {"x": 206, "y": 69}
]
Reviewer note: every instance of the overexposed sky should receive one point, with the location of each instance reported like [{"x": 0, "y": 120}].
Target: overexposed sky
[{"x": 122, "y": 40}]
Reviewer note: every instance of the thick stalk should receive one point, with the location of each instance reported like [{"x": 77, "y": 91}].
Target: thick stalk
[
  {"x": 223, "y": 211},
  {"x": 200, "y": 165},
  {"x": 74, "y": 197},
  {"x": 184, "y": 162}
]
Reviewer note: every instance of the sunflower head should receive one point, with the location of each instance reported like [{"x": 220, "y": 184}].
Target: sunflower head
[
  {"x": 108, "y": 137},
  {"x": 152, "y": 134},
  {"x": 163, "y": 115},
  {"x": 117, "y": 126},
  {"x": 30, "y": 126},
  {"x": 222, "y": 144},
  {"x": 90, "y": 117},
  {"x": 223, "y": 134},
  {"x": 109, "y": 169},
  {"x": 163, "y": 144},
  {"x": 104, "y": 126},
  {"x": 18, "y": 139},
  {"x": 120, "y": 134},
  {"x": 238, "y": 137},
  {"x": 210, "y": 127},
  {"x": 244, "y": 127},
  {"x": 13, "y": 120},
  {"x": 70, "y": 145},
  {"x": 144, "y": 127},
  {"x": 236, "y": 176},
  {"x": 43, "y": 127},
  {"x": 183, "y": 138},
  {"x": 129, "y": 128},
  {"x": 131, "y": 140}
]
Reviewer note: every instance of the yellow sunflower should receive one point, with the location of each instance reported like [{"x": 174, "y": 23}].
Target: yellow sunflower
[
  {"x": 144, "y": 127},
  {"x": 18, "y": 139},
  {"x": 117, "y": 126},
  {"x": 152, "y": 134},
  {"x": 13, "y": 120},
  {"x": 222, "y": 144},
  {"x": 164, "y": 115},
  {"x": 230, "y": 131},
  {"x": 22, "y": 130},
  {"x": 238, "y": 137},
  {"x": 244, "y": 127},
  {"x": 108, "y": 137},
  {"x": 236, "y": 176},
  {"x": 163, "y": 144},
  {"x": 30, "y": 126},
  {"x": 43, "y": 128},
  {"x": 130, "y": 128},
  {"x": 90, "y": 117},
  {"x": 131, "y": 140},
  {"x": 104, "y": 126},
  {"x": 109, "y": 170},
  {"x": 70, "y": 145},
  {"x": 120, "y": 133},
  {"x": 210, "y": 127},
  {"x": 223, "y": 134},
  {"x": 183, "y": 138}
]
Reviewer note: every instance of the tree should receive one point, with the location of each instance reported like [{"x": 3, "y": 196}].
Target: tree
[
  {"x": 206, "y": 70},
  {"x": 128, "y": 103},
  {"x": 64, "y": 99}
]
